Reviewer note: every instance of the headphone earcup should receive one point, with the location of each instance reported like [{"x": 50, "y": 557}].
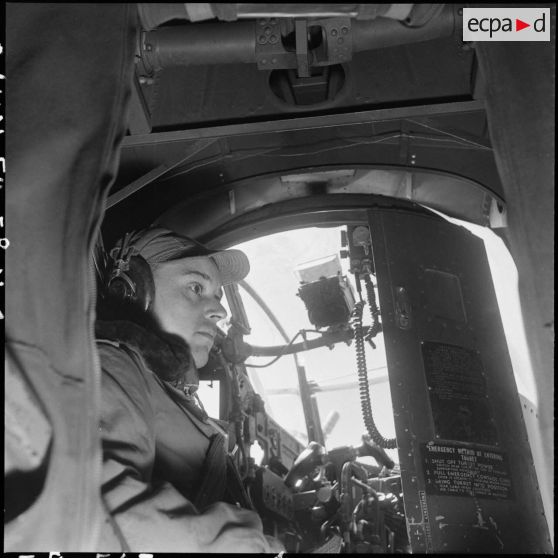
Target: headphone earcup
[{"x": 135, "y": 284}]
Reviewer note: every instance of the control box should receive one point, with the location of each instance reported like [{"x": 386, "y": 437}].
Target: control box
[{"x": 272, "y": 496}]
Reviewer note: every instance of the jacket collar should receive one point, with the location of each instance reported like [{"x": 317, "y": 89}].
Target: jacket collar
[{"x": 167, "y": 355}]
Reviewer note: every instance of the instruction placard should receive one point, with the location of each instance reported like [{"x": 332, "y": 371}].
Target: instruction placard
[
  {"x": 462, "y": 471},
  {"x": 458, "y": 395}
]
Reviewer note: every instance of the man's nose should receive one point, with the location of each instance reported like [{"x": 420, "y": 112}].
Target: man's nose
[{"x": 216, "y": 311}]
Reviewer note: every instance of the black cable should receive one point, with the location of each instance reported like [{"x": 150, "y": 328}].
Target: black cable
[
  {"x": 364, "y": 390},
  {"x": 281, "y": 354},
  {"x": 376, "y": 326}
]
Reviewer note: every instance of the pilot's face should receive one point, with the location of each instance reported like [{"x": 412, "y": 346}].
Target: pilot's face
[{"x": 187, "y": 302}]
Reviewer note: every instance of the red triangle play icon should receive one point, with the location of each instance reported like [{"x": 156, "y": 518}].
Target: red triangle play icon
[{"x": 519, "y": 25}]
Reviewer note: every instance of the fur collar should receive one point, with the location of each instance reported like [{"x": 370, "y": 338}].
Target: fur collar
[{"x": 166, "y": 354}]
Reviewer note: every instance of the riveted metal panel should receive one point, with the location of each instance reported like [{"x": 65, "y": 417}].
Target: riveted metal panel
[{"x": 468, "y": 478}]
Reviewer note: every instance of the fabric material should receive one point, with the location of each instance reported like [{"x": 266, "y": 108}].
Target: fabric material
[
  {"x": 213, "y": 485},
  {"x": 166, "y": 354},
  {"x": 520, "y": 99},
  {"x": 144, "y": 431},
  {"x": 158, "y": 245},
  {"x": 68, "y": 82},
  {"x": 163, "y": 464}
]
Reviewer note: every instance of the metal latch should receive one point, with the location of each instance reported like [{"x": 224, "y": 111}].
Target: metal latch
[{"x": 402, "y": 309}]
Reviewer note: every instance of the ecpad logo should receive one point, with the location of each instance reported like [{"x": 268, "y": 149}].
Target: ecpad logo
[{"x": 506, "y": 24}]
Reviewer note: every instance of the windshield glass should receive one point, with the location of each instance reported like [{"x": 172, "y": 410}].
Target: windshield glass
[{"x": 331, "y": 373}]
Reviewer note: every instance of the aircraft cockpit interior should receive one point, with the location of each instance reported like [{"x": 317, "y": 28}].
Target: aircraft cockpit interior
[{"x": 384, "y": 374}]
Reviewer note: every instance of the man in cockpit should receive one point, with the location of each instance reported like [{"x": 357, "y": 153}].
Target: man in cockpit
[{"x": 167, "y": 480}]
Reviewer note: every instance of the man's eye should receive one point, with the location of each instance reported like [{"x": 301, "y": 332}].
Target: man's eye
[{"x": 196, "y": 288}]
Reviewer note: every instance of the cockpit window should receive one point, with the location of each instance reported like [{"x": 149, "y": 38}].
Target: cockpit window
[{"x": 331, "y": 373}]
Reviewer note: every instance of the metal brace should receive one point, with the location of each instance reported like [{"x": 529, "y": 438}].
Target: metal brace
[
  {"x": 302, "y": 60},
  {"x": 270, "y": 52},
  {"x": 336, "y": 47}
]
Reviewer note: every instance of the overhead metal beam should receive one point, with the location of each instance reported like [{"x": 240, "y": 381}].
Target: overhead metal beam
[
  {"x": 157, "y": 172},
  {"x": 304, "y": 123},
  {"x": 139, "y": 119}
]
